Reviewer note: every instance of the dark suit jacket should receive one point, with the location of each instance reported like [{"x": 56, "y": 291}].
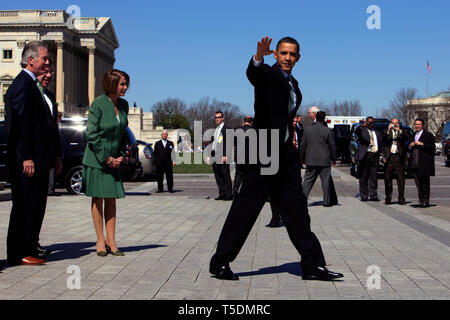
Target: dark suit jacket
[
  {"x": 272, "y": 93},
  {"x": 54, "y": 116},
  {"x": 422, "y": 157},
  {"x": 364, "y": 141},
  {"x": 31, "y": 129},
  {"x": 318, "y": 147},
  {"x": 401, "y": 139},
  {"x": 163, "y": 156}
]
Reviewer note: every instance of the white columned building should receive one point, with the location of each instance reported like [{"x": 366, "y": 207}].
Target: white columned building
[{"x": 81, "y": 52}]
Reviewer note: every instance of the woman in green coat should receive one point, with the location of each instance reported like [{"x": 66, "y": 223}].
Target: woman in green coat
[{"x": 106, "y": 142}]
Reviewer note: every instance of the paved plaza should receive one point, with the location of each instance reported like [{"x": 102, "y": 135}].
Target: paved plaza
[{"x": 168, "y": 240}]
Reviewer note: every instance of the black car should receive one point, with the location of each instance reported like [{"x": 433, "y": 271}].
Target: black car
[
  {"x": 342, "y": 137},
  {"x": 446, "y": 144},
  {"x": 381, "y": 125},
  {"x": 72, "y": 133},
  {"x": 147, "y": 159}
]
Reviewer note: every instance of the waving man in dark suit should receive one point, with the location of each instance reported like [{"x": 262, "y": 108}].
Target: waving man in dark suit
[{"x": 277, "y": 99}]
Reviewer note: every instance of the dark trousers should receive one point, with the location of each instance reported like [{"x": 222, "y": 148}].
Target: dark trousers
[
  {"x": 423, "y": 188},
  {"x": 394, "y": 165},
  {"x": 368, "y": 182},
  {"x": 329, "y": 192},
  {"x": 286, "y": 189},
  {"x": 29, "y": 200},
  {"x": 238, "y": 176},
  {"x": 275, "y": 206},
  {"x": 223, "y": 179},
  {"x": 160, "y": 171}
]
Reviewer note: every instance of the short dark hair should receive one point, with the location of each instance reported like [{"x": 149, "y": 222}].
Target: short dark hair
[
  {"x": 289, "y": 40},
  {"x": 111, "y": 80},
  {"x": 421, "y": 120},
  {"x": 320, "y": 116},
  {"x": 219, "y": 111},
  {"x": 248, "y": 119},
  {"x": 370, "y": 117}
]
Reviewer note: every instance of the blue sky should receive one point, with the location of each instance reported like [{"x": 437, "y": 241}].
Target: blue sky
[{"x": 197, "y": 48}]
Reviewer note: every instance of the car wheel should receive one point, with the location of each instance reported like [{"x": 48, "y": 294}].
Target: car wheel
[{"x": 74, "y": 180}]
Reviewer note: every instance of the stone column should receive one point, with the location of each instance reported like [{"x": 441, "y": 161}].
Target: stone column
[
  {"x": 60, "y": 74},
  {"x": 91, "y": 77}
]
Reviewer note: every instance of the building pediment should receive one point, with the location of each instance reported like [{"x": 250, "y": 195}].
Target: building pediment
[
  {"x": 106, "y": 28},
  {"x": 6, "y": 76}
]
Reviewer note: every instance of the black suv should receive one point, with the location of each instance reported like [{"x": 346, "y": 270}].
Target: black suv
[
  {"x": 72, "y": 133},
  {"x": 381, "y": 125}
]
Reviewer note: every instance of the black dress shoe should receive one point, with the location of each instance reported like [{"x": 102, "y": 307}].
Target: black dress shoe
[
  {"x": 41, "y": 250},
  {"x": 159, "y": 191},
  {"x": 402, "y": 202},
  {"x": 322, "y": 273},
  {"x": 228, "y": 198},
  {"x": 274, "y": 224},
  {"x": 171, "y": 191},
  {"x": 223, "y": 272},
  {"x": 375, "y": 200},
  {"x": 219, "y": 198},
  {"x": 387, "y": 202},
  {"x": 364, "y": 199}
]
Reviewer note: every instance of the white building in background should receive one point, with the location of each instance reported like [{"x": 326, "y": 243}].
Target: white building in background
[
  {"x": 435, "y": 110},
  {"x": 81, "y": 49}
]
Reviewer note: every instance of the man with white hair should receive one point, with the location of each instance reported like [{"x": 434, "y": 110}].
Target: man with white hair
[
  {"x": 312, "y": 113},
  {"x": 32, "y": 152},
  {"x": 163, "y": 162}
]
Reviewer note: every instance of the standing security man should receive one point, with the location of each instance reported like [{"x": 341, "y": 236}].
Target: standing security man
[
  {"x": 394, "y": 157},
  {"x": 221, "y": 168},
  {"x": 369, "y": 149},
  {"x": 422, "y": 161},
  {"x": 318, "y": 152},
  {"x": 163, "y": 162}
]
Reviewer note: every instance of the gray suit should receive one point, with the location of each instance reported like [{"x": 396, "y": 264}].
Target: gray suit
[{"x": 318, "y": 151}]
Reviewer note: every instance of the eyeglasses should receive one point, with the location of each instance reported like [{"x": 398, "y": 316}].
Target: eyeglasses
[
  {"x": 218, "y": 117},
  {"x": 370, "y": 122}
]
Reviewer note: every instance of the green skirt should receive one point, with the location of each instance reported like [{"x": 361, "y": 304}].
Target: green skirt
[{"x": 103, "y": 183}]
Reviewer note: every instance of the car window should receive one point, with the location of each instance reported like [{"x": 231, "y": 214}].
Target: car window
[{"x": 446, "y": 129}]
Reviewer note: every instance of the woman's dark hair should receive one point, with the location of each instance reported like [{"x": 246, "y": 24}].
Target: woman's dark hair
[{"x": 111, "y": 80}]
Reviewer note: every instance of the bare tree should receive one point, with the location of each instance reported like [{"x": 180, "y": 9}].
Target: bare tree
[
  {"x": 398, "y": 108},
  {"x": 164, "y": 111},
  {"x": 346, "y": 108},
  {"x": 204, "y": 111},
  {"x": 303, "y": 110}
]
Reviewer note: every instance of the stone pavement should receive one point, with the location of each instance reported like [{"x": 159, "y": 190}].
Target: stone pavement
[{"x": 168, "y": 240}]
